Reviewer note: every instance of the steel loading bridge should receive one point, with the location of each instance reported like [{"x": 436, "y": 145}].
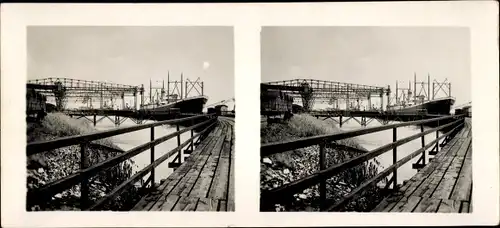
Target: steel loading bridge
[
  {"x": 63, "y": 88},
  {"x": 309, "y": 91}
]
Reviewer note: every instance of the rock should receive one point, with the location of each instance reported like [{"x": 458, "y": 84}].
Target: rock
[
  {"x": 58, "y": 195},
  {"x": 40, "y": 170},
  {"x": 286, "y": 171},
  {"x": 279, "y": 208},
  {"x": 302, "y": 196},
  {"x": 267, "y": 161}
]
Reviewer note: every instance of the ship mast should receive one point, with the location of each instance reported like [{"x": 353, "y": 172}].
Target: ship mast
[
  {"x": 409, "y": 92},
  {"x": 429, "y": 87},
  {"x": 415, "y": 98},
  {"x": 150, "y": 92},
  {"x": 163, "y": 90},
  {"x": 168, "y": 87}
]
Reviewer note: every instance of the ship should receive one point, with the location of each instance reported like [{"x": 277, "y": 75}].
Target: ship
[
  {"x": 438, "y": 106},
  {"x": 420, "y": 104},
  {"x": 191, "y": 105}
]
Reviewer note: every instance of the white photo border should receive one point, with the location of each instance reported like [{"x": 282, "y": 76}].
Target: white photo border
[{"x": 480, "y": 17}]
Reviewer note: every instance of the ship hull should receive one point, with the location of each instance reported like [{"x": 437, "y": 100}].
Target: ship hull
[
  {"x": 188, "y": 105},
  {"x": 434, "y": 107}
]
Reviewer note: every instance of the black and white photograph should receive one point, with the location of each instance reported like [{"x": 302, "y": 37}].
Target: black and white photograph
[
  {"x": 366, "y": 119},
  {"x": 124, "y": 115},
  {"x": 130, "y": 118}
]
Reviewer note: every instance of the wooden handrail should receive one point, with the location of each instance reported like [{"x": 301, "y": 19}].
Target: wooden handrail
[
  {"x": 38, "y": 147},
  {"x": 319, "y": 177},
  {"x": 145, "y": 171},
  {"x": 81, "y": 176},
  {"x": 387, "y": 171},
  {"x": 279, "y": 147}
]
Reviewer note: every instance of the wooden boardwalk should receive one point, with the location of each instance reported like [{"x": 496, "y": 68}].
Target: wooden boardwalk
[
  {"x": 204, "y": 182},
  {"x": 444, "y": 185}
]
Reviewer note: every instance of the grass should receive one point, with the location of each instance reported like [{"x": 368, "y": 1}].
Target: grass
[
  {"x": 305, "y": 161},
  {"x": 56, "y": 125},
  {"x": 300, "y": 126}
]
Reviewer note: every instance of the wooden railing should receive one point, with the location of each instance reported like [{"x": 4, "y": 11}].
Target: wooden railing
[
  {"x": 450, "y": 124},
  {"x": 44, "y": 193}
]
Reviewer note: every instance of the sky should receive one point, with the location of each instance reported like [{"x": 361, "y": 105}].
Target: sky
[
  {"x": 134, "y": 55},
  {"x": 377, "y": 56}
]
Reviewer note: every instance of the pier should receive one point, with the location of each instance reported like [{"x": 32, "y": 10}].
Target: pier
[
  {"x": 444, "y": 185},
  {"x": 205, "y": 176},
  {"x": 366, "y": 117},
  {"x": 205, "y": 182},
  {"x": 140, "y": 116},
  {"x": 450, "y": 149},
  {"x": 119, "y": 116}
]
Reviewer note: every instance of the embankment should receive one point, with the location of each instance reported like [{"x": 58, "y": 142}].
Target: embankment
[
  {"x": 286, "y": 167},
  {"x": 52, "y": 165}
]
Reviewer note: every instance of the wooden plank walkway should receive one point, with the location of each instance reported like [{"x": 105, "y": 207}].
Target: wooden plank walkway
[
  {"x": 443, "y": 186},
  {"x": 204, "y": 182}
]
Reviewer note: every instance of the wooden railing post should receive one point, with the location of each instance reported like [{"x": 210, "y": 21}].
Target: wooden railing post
[
  {"x": 463, "y": 121},
  {"x": 84, "y": 182},
  {"x": 395, "y": 159},
  {"x": 423, "y": 144},
  {"x": 437, "y": 136},
  {"x": 322, "y": 185},
  {"x": 179, "y": 154},
  {"x": 152, "y": 157},
  {"x": 192, "y": 135}
]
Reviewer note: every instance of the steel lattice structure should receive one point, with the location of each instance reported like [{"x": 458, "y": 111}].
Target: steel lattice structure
[
  {"x": 309, "y": 91},
  {"x": 63, "y": 88}
]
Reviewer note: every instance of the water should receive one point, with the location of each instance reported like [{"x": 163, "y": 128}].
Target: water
[
  {"x": 133, "y": 139},
  {"x": 378, "y": 139}
]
